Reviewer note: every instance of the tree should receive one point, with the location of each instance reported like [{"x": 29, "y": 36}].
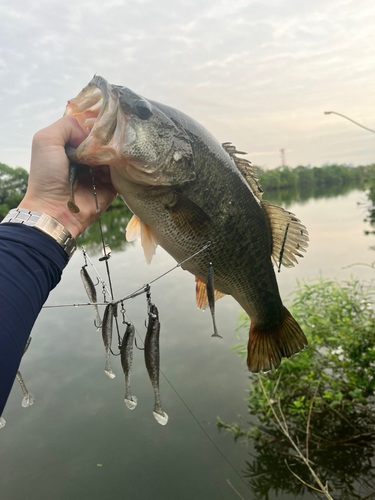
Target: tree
[{"x": 13, "y": 185}]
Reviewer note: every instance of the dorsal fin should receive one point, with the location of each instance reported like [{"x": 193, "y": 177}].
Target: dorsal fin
[
  {"x": 289, "y": 236},
  {"x": 201, "y": 299},
  {"x": 245, "y": 167}
]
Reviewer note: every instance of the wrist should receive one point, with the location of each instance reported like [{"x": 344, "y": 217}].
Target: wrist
[
  {"x": 60, "y": 213},
  {"x": 45, "y": 224}
]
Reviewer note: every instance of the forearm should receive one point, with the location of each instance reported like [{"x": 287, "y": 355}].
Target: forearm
[{"x": 31, "y": 264}]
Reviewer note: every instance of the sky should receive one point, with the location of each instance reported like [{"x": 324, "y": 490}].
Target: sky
[{"x": 257, "y": 73}]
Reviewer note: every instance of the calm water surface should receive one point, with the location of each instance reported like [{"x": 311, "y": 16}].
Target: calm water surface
[{"x": 79, "y": 441}]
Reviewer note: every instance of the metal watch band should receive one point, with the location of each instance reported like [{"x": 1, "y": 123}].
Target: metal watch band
[{"x": 46, "y": 224}]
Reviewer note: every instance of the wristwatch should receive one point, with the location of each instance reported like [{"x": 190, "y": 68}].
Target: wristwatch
[{"x": 46, "y": 224}]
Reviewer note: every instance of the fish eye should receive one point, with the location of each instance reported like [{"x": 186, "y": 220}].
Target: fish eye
[{"x": 143, "y": 110}]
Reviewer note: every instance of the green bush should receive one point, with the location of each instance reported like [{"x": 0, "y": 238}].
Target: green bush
[{"x": 334, "y": 376}]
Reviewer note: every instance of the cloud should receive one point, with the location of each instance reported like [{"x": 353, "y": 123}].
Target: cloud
[{"x": 259, "y": 72}]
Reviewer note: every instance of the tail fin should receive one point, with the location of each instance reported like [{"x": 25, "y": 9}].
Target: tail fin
[{"x": 266, "y": 348}]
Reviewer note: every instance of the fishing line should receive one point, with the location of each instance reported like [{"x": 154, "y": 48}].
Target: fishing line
[
  {"x": 77, "y": 304},
  {"x": 143, "y": 289},
  {"x": 106, "y": 256},
  {"x": 190, "y": 411},
  {"x": 198, "y": 423},
  {"x": 104, "y": 286},
  {"x": 146, "y": 289},
  {"x": 205, "y": 432},
  {"x": 132, "y": 295}
]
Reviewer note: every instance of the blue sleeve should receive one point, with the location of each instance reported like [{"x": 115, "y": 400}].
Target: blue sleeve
[{"x": 31, "y": 264}]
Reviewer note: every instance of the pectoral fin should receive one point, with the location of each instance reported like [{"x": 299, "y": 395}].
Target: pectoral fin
[{"x": 189, "y": 217}]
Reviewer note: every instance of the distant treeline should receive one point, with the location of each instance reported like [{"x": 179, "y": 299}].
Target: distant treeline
[
  {"x": 302, "y": 181},
  {"x": 371, "y": 205},
  {"x": 13, "y": 185},
  {"x": 302, "y": 177}
]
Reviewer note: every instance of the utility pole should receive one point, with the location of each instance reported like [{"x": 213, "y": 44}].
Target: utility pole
[{"x": 282, "y": 151}]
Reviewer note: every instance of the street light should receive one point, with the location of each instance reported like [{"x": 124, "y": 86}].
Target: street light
[{"x": 339, "y": 114}]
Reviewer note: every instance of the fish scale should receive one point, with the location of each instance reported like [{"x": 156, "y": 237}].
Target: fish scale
[{"x": 186, "y": 189}]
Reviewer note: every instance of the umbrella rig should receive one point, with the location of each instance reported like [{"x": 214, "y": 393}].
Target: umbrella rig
[{"x": 127, "y": 341}]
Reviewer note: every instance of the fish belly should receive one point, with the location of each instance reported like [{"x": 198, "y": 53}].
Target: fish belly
[{"x": 239, "y": 244}]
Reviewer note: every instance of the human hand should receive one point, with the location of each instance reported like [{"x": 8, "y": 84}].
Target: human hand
[{"x": 48, "y": 189}]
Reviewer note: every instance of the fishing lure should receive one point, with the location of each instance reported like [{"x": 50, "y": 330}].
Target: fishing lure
[
  {"x": 109, "y": 313},
  {"x": 91, "y": 294},
  {"x": 28, "y": 398},
  {"x": 211, "y": 296},
  {"x": 152, "y": 359},
  {"x": 126, "y": 352},
  {"x": 73, "y": 174}
]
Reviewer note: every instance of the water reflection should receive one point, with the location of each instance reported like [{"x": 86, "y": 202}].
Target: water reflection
[
  {"x": 370, "y": 217},
  {"x": 114, "y": 222},
  {"x": 349, "y": 471},
  {"x": 52, "y": 449},
  {"x": 285, "y": 197}
]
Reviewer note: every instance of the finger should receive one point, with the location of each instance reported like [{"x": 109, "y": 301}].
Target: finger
[
  {"x": 66, "y": 130},
  {"x": 77, "y": 134}
]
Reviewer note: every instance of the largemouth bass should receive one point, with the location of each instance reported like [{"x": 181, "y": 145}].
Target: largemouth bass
[{"x": 186, "y": 189}]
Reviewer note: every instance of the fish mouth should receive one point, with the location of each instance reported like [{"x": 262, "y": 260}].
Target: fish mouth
[
  {"x": 98, "y": 112},
  {"x": 105, "y": 114}
]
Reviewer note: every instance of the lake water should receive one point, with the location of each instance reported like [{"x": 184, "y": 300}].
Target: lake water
[{"x": 79, "y": 441}]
